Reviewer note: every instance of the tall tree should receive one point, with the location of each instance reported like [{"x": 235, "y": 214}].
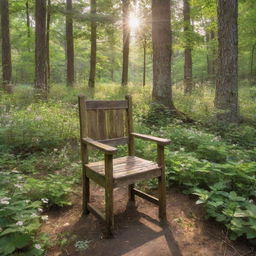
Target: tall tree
[
  {"x": 91, "y": 82},
  {"x": 48, "y": 21},
  {"x": 6, "y": 46},
  {"x": 126, "y": 41},
  {"x": 41, "y": 83},
  {"x": 188, "y": 84},
  {"x": 226, "y": 97},
  {"x": 70, "y": 45},
  {"x": 28, "y": 19},
  {"x": 161, "y": 38}
]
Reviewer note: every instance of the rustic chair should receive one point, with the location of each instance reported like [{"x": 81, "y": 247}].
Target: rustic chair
[{"x": 104, "y": 124}]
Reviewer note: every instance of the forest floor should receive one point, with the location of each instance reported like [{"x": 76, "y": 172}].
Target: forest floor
[{"x": 138, "y": 231}]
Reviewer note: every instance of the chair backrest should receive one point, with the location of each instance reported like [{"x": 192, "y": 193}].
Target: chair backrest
[{"x": 109, "y": 122}]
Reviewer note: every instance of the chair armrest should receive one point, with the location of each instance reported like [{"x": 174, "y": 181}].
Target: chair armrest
[
  {"x": 103, "y": 147},
  {"x": 159, "y": 141}
]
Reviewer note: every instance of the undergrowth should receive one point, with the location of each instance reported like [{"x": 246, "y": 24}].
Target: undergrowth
[{"x": 40, "y": 157}]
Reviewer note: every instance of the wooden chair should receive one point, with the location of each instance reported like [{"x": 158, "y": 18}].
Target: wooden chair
[{"x": 104, "y": 124}]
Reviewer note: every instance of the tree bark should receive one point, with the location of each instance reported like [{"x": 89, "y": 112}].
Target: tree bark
[
  {"x": 252, "y": 63},
  {"x": 48, "y": 40},
  {"x": 91, "y": 82},
  {"x": 188, "y": 83},
  {"x": 40, "y": 49},
  {"x": 211, "y": 52},
  {"x": 161, "y": 38},
  {"x": 70, "y": 45},
  {"x": 6, "y": 47},
  {"x": 28, "y": 19},
  {"x": 226, "y": 97},
  {"x": 126, "y": 41}
]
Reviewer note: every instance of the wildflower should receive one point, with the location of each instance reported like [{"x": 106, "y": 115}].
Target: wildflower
[
  {"x": 38, "y": 246},
  {"x": 40, "y": 209},
  {"x": 5, "y": 200},
  {"x": 34, "y": 215},
  {"x": 14, "y": 171},
  {"x": 19, "y": 223},
  {"x": 45, "y": 200},
  {"x": 44, "y": 217},
  {"x": 17, "y": 185},
  {"x": 55, "y": 149},
  {"x": 27, "y": 201}
]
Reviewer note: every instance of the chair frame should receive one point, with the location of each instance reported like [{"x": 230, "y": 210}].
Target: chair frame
[{"x": 108, "y": 184}]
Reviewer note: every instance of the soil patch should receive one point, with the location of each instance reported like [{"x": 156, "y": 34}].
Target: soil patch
[{"x": 138, "y": 231}]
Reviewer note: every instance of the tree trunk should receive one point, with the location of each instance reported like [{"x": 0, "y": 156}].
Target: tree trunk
[
  {"x": 126, "y": 41},
  {"x": 6, "y": 47},
  {"x": 226, "y": 97},
  {"x": 48, "y": 40},
  {"x": 188, "y": 83},
  {"x": 161, "y": 38},
  {"x": 70, "y": 45},
  {"x": 91, "y": 82},
  {"x": 211, "y": 52},
  {"x": 40, "y": 49},
  {"x": 251, "y": 64},
  {"x": 28, "y": 24},
  {"x": 144, "y": 61}
]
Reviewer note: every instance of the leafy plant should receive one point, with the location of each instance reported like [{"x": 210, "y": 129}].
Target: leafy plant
[{"x": 19, "y": 217}]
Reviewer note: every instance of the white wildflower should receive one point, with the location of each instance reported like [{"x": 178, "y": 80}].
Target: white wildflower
[
  {"x": 5, "y": 200},
  {"x": 55, "y": 149},
  {"x": 14, "y": 171},
  {"x": 45, "y": 200},
  {"x": 27, "y": 201},
  {"x": 19, "y": 223},
  {"x": 40, "y": 209},
  {"x": 44, "y": 217},
  {"x": 38, "y": 246},
  {"x": 33, "y": 215},
  {"x": 18, "y": 185}
]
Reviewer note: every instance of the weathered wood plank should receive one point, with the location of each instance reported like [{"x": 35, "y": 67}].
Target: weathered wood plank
[
  {"x": 106, "y": 104},
  {"x": 131, "y": 149},
  {"x": 96, "y": 211},
  {"x": 128, "y": 180},
  {"x": 95, "y": 176},
  {"x": 107, "y": 149},
  {"x": 109, "y": 193},
  {"x": 115, "y": 141},
  {"x": 159, "y": 141},
  {"x": 161, "y": 183},
  {"x": 102, "y": 124},
  {"x": 146, "y": 196}
]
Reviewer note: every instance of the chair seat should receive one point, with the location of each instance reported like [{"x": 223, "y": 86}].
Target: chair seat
[{"x": 126, "y": 170}]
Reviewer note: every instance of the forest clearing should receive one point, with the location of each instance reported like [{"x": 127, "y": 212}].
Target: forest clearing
[{"x": 184, "y": 75}]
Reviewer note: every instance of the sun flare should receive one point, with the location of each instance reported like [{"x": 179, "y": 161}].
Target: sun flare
[{"x": 134, "y": 22}]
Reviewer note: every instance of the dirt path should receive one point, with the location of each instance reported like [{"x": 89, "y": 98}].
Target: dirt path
[{"x": 138, "y": 232}]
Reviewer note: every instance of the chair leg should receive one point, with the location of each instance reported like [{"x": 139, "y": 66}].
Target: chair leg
[
  {"x": 109, "y": 211},
  {"x": 86, "y": 192},
  {"x": 131, "y": 193},
  {"x": 162, "y": 198}
]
